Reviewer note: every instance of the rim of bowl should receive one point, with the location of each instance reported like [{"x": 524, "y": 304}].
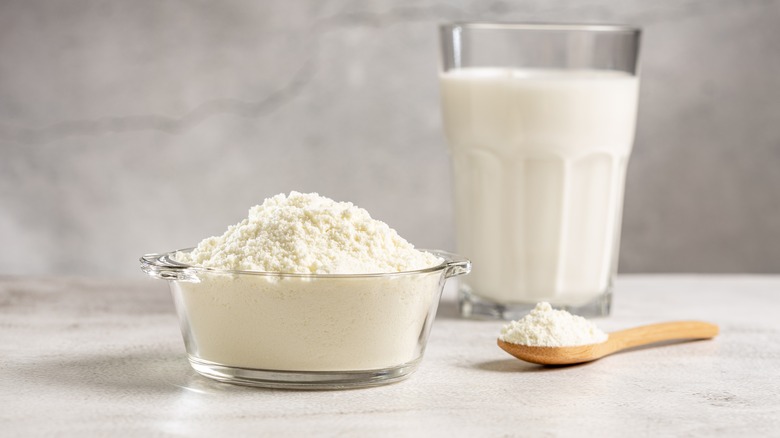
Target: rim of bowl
[{"x": 167, "y": 261}]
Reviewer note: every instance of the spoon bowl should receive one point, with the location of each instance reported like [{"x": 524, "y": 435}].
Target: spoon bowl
[{"x": 617, "y": 341}]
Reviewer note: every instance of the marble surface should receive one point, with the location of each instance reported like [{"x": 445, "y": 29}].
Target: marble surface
[
  {"x": 86, "y": 357},
  {"x": 129, "y": 127}
]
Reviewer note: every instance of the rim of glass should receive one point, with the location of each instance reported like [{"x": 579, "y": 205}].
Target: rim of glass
[
  {"x": 167, "y": 261},
  {"x": 581, "y": 27}
]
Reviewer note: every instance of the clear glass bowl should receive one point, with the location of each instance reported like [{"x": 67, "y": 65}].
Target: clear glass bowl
[{"x": 304, "y": 330}]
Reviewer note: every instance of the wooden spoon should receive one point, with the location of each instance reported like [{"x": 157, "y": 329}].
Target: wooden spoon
[{"x": 617, "y": 341}]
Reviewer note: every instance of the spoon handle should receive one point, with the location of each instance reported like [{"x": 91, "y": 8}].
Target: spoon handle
[{"x": 666, "y": 331}]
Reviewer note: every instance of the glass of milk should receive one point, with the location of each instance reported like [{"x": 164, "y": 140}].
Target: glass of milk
[{"x": 540, "y": 122}]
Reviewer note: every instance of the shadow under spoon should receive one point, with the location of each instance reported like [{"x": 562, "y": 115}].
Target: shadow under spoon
[{"x": 617, "y": 341}]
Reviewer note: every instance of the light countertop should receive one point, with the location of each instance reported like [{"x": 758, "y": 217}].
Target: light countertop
[{"x": 100, "y": 357}]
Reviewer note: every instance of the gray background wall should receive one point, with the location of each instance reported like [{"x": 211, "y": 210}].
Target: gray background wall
[{"x": 139, "y": 126}]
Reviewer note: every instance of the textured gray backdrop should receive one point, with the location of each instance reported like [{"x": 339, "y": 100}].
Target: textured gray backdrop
[{"x": 140, "y": 126}]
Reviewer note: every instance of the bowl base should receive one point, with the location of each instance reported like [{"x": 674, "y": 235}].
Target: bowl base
[{"x": 303, "y": 379}]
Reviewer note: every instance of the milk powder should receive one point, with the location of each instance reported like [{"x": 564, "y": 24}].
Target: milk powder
[
  {"x": 546, "y": 327},
  {"x": 306, "y": 322},
  {"x": 311, "y": 234}
]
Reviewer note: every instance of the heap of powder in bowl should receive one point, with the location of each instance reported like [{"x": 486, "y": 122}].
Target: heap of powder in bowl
[
  {"x": 547, "y": 327},
  {"x": 309, "y": 234}
]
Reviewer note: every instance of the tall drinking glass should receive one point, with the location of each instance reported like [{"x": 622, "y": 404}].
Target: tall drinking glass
[{"x": 540, "y": 122}]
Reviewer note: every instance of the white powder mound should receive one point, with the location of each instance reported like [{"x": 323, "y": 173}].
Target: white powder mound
[
  {"x": 309, "y": 234},
  {"x": 545, "y": 327}
]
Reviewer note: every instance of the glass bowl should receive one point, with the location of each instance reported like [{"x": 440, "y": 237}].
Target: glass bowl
[{"x": 304, "y": 330}]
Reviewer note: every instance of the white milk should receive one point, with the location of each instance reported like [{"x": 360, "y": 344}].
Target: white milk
[{"x": 539, "y": 159}]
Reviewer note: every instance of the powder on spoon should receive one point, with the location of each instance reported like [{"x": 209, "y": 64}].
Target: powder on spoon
[{"x": 546, "y": 327}]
